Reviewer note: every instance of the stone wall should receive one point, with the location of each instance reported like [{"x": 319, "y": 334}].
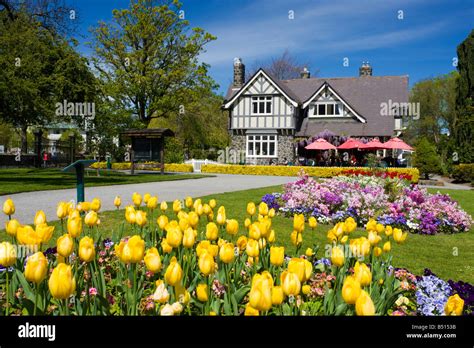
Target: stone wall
[{"x": 236, "y": 154}]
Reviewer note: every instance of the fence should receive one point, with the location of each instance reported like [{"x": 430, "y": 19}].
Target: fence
[{"x": 197, "y": 163}]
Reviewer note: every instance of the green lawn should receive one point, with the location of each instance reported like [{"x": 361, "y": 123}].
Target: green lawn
[
  {"x": 26, "y": 180},
  {"x": 449, "y": 256}
]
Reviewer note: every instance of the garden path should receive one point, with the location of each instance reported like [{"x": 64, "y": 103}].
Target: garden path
[{"x": 28, "y": 203}]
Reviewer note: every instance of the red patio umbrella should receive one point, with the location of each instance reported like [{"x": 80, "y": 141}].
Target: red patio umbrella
[
  {"x": 350, "y": 144},
  {"x": 397, "y": 144},
  {"x": 320, "y": 144},
  {"x": 374, "y": 144}
]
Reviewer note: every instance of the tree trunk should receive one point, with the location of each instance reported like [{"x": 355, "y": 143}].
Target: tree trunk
[{"x": 24, "y": 139}]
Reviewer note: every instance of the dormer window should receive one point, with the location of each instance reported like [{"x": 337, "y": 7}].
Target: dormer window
[
  {"x": 326, "y": 109},
  {"x": 262, "y": 105}
]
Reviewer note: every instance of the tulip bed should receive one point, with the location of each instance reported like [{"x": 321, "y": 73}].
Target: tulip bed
[{"x": 193, "y": 258}]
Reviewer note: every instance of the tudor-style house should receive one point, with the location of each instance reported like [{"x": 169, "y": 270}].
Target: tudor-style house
[{"x": 267, "y": 116}]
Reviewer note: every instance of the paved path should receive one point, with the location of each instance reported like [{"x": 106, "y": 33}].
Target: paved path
[
  {"x": 448, "y": 184},
  {"x": 29, "y": 202}
]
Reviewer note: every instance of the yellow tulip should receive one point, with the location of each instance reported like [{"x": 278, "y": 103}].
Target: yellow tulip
[
  {"x": 26, "y": 235},
  {"x": 146, "y": 197},
  {"x": 263, "y": 208},
  {"x": 377, "y": 251},
  {"x": 312, "y": 222},
  {"x": 232, "y": 227},
  {"x": 344, "y": 239},
  {"x": 277, "y": 295},
  {"x": 140, "y": 218},
  {"x": 188, "y": 201},
  {"x": 166, "y": 247},
  {"x": 242, "y": 243},
  {"x": 202, "y": 292},
  {"x": 379, "y": 228},
  {"x": 177, "y": 206},
  {"x": 161, "y": 294},
  {"x": 193, "y": 219},
  {"x": 251, "y": 208},
  {"x": 189, "y": 238},
  {"x": 221, "y": 218},
  {"x": 65, "y": 245},
  {"x": 162, "y": 221},
  {"x": 9, "y": 207},
  {"x": 117, "y": 202},
  {"x": 309, "y": 252},
  {"x": 298, "y": 223},
  {"x": 11, "y": 227},
  {"x": 182, "y": 294},
  {"x": 226, "y": 253},
  {"x": 296, "y": 238},
  {"x": 131, "y": 251},
  {"x": 196, "y": 204},
  {"x": 96, "y": 204},
  {"x": 388, "y": 230},
  {"x": 153, "y": 260},
  {"x": 61, "y": 210},
  {"x": 91, "y": 219},
  {"x": 277, "y": 255},
  {"x": 371, "y": 225},
  {"x": 254, "y": 231},
  {"x": 250, "y": 311},
  {"x": 374, "y": 238},
  {"x": 174, "y": 272},
  {"x": 7, "y": 254},
  {"x": 206, "y": 246},
  {"x": 264, "y": 226},
  {"x": 271, "y": 236},
  {"x": 62, "y": 283},
  {"x": 359, "y": 247},
  {"x": 74, "y": 226},
  {"x": 36, "y": 268},
  {"x": 212, "y": 232},
  {"x": 44, "y": 232},
  {"x": 212, "y": 203},
  {"x": 351, "y": 290},
  {"x": 337, "y": 256},
  {"x": 306, "y": 289},
  {"x": 301, "y": 267},
  {"x": 206, "y": 208},
  {"x": 152, "y": 203},
  {"x": 260, "y": 295},
  {"x": 86, "y": 249},
  {"x": 399, "y": 236},
  {"x": 136, "y": 199},
  {"x": 206, "y": 263},
  {"x": 350, "y": 225},
  {"x": 271, "y": 213},
  {"x": 364, "y": 304},
  {"x": 84, "y": 206},
  {"x": 74, "y": 213},
  {"x": 362, "y": 274},
  {"x": 454, "y": 305},
  {"x": 163, "y": 206},
  {"x": 290, "y": 283},
  {"x": 252, "y": 248},
  {"x": 40, "y": 218}
]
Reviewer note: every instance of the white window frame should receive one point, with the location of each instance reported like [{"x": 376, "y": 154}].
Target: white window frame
[
  {"x": 258, "y": 100},
  {"x": 258, "y": 138},
  {"x": 334, "y": 103}
]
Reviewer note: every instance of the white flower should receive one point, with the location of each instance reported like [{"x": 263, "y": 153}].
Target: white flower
[
  {"x": 167, "y": 310},
  {"x": 177, "y": 307},
  {"x": 161, "y": 294}
]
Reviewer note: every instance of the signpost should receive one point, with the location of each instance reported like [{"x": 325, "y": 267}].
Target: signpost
[{"x": 79, "y": 167}]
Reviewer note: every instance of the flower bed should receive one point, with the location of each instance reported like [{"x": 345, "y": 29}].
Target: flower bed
[
  {"x": 169, "y": 167},
  {"x": 322, "y": 172},
  {"x": 192, "y": 261},
  {"x": 390, "y": 200}
]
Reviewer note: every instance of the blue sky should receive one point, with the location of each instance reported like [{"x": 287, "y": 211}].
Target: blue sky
[{"x": 322, "y": 33}]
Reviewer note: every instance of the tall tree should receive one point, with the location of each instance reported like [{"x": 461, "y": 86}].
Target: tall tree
[
  {"x": 283, "y": 67},
  {"x": 39, "y": 69},
  {"x": 463, "y": 124},
  {"x": 150, "y": 57}
]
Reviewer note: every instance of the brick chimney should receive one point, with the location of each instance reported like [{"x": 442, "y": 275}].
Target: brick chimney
[
  {"x": 305, "y": 74},
  {"x": 239, "y": 73},
  {"x": 365, "y": 69}
]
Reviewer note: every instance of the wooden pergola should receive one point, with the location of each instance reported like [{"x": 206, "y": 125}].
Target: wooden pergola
[{"x": 147, "y": 144}]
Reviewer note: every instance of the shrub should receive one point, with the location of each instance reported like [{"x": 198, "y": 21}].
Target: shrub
[
  {"x": 322, "y": 172},
  {"x": 463, "y": 173},
  {"x": 426, "y": 159},
  {"x": 169, "y": 167}
]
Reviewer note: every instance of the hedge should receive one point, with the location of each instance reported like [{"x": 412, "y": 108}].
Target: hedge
[
  {"x": 169, "y": 167},
  {"x": 323, "y": 172}
]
